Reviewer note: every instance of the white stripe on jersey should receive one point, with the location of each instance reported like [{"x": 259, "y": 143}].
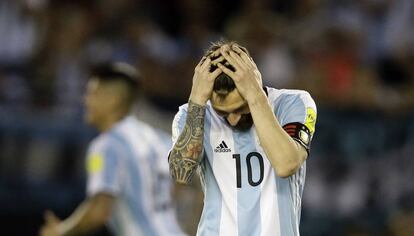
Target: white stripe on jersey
[
  {"x": 221, "y": 168},
  {"x": 271, "y": 207}
]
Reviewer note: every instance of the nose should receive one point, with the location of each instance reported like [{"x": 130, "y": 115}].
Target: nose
[{"x": 233, "y": 118}]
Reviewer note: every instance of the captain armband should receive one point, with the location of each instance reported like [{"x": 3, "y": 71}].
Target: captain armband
[{"x": 300, "y": 133}]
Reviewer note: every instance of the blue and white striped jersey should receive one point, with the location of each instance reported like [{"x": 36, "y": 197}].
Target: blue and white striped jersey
[
  {"x": 129, "y": 162},
  {"x": 242, "y": 193}
]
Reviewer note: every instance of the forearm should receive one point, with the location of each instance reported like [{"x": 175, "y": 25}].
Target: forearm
[
  {"x": 89, "y": 216},
  {"x": 186, "y": 153},
  {"x": 283, "y": 152},
  {"x": 77, "y": 223}
]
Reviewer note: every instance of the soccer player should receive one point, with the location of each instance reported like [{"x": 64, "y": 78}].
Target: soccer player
[
  {"x": 128, "y": 179},
  {"x": 249, "y": 144}
]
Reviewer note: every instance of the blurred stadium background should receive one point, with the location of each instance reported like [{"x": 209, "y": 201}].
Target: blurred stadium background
[{"x": 356, "y": 57}]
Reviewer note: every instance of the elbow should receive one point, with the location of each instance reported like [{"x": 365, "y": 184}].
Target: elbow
[
  {"x": 99, "y": 219},
  {"x": 285, "y": 173},
  {"x": 181, "y": 181},
  {"x": 178, "y": 178},
  {"x": 91, "y": 222},
  {"x": 290, "y": 163},
  {"x": 177, "y": 174},
  {"x": 182, "y": 169},
  {"x": 286, "y": 170},
  {"x": 181, "y": 178},
  {"x": 99, "y": 216}
]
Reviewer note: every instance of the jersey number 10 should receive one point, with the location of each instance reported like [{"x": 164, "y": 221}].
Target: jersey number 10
[{"x": 249, "y": 169}]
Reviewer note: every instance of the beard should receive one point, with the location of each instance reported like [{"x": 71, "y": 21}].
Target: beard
[{"x": 244, "y": 124}]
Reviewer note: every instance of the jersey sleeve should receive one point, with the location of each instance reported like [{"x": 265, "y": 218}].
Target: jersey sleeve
[
  {"x": 297, "y": 114},
  {"x": 104, "y": 167},
  {"x": 179, "y": 123}
]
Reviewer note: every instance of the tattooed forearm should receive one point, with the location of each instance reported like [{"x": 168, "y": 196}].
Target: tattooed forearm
[{"x": 186, "y": 153}]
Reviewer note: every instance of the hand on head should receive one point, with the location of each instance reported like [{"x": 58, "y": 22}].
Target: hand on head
[
  {"x": 203, "y": 81},
  {"x": 231, "y": 60},
  {"x": 246, "y": 76}
]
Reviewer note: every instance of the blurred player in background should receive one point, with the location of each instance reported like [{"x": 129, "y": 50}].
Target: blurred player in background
[
  {"x": 250, "y": 142},
  {"x": 128, "y": 182}
]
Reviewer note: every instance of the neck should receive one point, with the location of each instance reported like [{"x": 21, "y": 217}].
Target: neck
[{"x": 110, "y": 120}]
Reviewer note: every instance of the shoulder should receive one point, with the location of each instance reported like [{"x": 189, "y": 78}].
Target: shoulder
[
  {"x": 114, "y": 137},
  {"x": 287, "y": 94},
  {"x": 293, "y": 106},
  {"x": 132, "y": 128},
  {"x": 290, "y": 97},
  {"x": 181, "y": 113},
  {"x": 100, "y": 143},
  {"x": 128, "y": 123},
  {"x": 131, "y": 125},
  {"x": 183, "y": 108}
]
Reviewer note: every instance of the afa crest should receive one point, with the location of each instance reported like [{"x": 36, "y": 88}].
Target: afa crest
[{"x": 310, "y": 121}]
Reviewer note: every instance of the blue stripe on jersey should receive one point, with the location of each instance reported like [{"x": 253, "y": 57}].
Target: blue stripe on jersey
[
  {"x": 134, "y": 198},
  {"x": 248, "y": 197},
  {"x": 211, "y": 217},
  {"x": 111, "y": 181},
  {"x": 290, "y": 108},
  {"x": 286, "y": 214},
  {"x": 110, "y": 177}
]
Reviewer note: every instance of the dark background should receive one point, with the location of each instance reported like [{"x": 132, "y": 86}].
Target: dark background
[{"x": 356, "y": 58}]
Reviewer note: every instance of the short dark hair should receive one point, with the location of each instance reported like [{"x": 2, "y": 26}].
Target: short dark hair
[
  {"x": 223, "y": 84},
  {"x": 117, "y": 71}
]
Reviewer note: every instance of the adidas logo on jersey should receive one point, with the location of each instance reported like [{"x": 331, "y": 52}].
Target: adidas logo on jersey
[{"x": 222, "y": 147}]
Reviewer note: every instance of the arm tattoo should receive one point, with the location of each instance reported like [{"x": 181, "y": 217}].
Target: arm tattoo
[{"x": 186, "y": 153}]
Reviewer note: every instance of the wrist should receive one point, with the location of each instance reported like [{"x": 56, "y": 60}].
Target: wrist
[
  {"x": 198, "y": 100},
  {"x": 257, "y": 98}
]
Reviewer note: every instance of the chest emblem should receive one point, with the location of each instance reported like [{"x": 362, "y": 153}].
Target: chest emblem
[{"x": 222, "y": 147}]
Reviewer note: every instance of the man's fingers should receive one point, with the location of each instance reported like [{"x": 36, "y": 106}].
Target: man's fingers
[
  {"x": 217, "y": 60},
  {"x": 200, "y": 62},
  {"x": 237, "y": 58},
  {"x": 238, "y": 50},
  {"x": 225, "y": 52},
  {"x": 243, "y": 55},
  {"x": 226, "y": 70},
  {"x": 215, "y": 73},
  {"x": 206, "y": 62},
  {"x": 215, "y": 53}
]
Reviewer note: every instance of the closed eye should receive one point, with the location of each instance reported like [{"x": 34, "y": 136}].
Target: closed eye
[{"x": 241, "y": 110}]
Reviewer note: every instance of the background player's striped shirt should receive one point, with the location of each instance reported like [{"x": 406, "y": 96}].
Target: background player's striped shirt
[
  {"x": 129, "y": 162},
  {"x": 242, "y": 193}
]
